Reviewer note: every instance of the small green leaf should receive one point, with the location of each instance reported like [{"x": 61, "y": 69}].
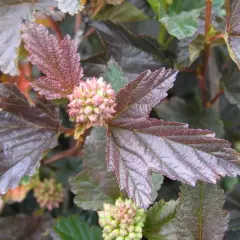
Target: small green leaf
[
  {"x": 200, "y": 214},
  {"x": 157, "y": 181},
  {"x": 182, "y": 25},
  {"x": 158, "y": 224},
  {"x": 94, "y": 185},
  {"x": 115, "y": 76},
  {"x": 125, "y": 12},
  {"x": 74, "y": 228},
  {"x": 195, "y": 48}
]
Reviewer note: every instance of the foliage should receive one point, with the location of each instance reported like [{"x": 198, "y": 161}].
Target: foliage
[{"x": 107, "y": 102}]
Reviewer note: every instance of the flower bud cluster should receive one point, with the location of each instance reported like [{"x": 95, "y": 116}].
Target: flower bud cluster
[
  {"x": 49, "y": 193},
  {"x": 91, "y": 103},
  {"x": 122, "y": 221}
]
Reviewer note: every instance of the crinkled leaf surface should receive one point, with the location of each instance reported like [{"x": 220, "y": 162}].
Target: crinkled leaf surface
[
  {"x": 232, "y": 205},
  {"x": 178, "y": 110},
  {"x": 74, "y": 228},
  {"x": 200, "y": 214},
  {"x": 12, "y": 12},
  {"x": 59, "y": 62},
  {"x": 182, "y": 25},
  {"x": 26, "y": 227},
  {"x": 233, "y": 31},
  {"x": 158, "y": 224},
  {"x": 115, "y": 75},
  {"x": 232, "y": 85},
  {"x": 70, "y": 6},
  {"x": 25, "y": 133},
  {"x": 138, "y": 145},
  {"x": 134, "y": 54},
  {"x": 94, "y": 185},
  {"x": 126, "y": 12}
]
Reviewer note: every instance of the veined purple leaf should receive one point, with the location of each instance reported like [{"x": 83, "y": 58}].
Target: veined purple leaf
[
  {"x": 25, "y": 133},
  {"x": 233, "y": 31},
  {"x": 138, "y": 145},
  {"x": 59, "y": 62}
]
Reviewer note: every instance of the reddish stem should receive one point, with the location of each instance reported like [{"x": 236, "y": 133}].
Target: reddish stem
[
  {"x": 70, "y": 152},
  {"x": 207, "y": 48},
  {"x": 216, "y": 37},
  {"x": 78, "y": 22},
  {"x": 56, "y": 28},
  {"x": 217, "y": 96}
]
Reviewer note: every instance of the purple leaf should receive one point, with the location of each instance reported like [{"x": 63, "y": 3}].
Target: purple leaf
[
  {"x": 59, "y": 62},
  {"x": 25, "y": 133},
  {"x": 138, "y": 145}
]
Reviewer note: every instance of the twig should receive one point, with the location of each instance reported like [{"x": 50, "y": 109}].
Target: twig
[
  {"x": 228, "y": 11},
  {"x": 216, "y": 37},
  {"x": 217, "y": 97},
  {"x": 70, "y": 152},
  {"x": 56, "y": 28},
  {"x": 89, "y": 32},
  {"x": 67, "y": 131},
  {"x": 78, "y": 22},
  {"x": 207, "y": 47}
]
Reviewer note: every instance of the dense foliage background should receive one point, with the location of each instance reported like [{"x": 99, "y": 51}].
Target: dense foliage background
[{"x": 119, "y": 40}]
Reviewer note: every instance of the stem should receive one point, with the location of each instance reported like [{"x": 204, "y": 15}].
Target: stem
[
  {"x": 78, "y": 22},
  {"x": 163, "y": 31},
  {"x": 70, "y": 152},
  {"x": 67, "y": 131},
  {"x": 56, "y": 28},
  {"x": 207, "y": 48},
  {"x": 216, "y": 37},
  {"x": 228, "y": 11},
  {"x": 217, "y": 96}
]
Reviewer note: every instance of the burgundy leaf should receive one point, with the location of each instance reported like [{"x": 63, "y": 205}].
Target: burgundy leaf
[
  {"x": 138, "y": 145},
  {"x": 59, "y": 62},
  {"x": 25, "y": 133}
]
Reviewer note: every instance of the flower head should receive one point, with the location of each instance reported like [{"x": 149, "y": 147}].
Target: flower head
[
  {"x": 91, "y": 103},
  {"x": 49, "y": 193},
  {"x": 124, "y": 220}
]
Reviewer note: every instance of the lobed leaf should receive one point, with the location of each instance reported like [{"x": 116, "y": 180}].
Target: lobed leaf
[
  {"x": 12, "y": 13},
  {"x": 26, "y": 132},
  {"x": 115, "y": 76},
  {"x": 74, "y": 228},
  {"x": 59, "y": 62},
  {"x": 200, "y": 214},
  {"x": 94, "y": 185},
  {"x": 158, "y": 224},
  {"x": 134, "y": 54},
  {"x": 138, "y": 145},
  {"x": 233, "y": 31}
]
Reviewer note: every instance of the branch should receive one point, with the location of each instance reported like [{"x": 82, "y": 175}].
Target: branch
[
  {"x": 217, "y": 97},
  {"x": 56, "y": 28},
  {"x": 70, "y": 152},
  {"x": 207, "y": 47}
]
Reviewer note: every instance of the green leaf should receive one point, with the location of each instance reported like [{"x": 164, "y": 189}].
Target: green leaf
[
  {"x": 177, "y": 110},
  {"x": 200, "y": 214},
  {"x": 94, "y": 185},
  {"x": 182, "y": 25},
  {"x": 74, "y": 228},
  {"x": 157, "y": 181},
  {"x": 158, "y": 224},
  {"x": 125, "y": 12},
  {"x": 195, "y": 48},
  {"x": 115, "y": 76}
]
